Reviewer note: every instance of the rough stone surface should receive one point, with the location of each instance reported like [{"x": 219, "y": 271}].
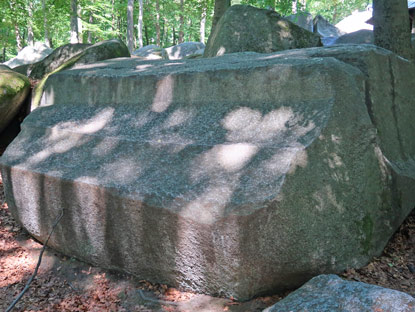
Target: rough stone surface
[
  {"x": 302, "y": 19},
  {"x": 357, "y": 37},
  {"x": 30, "y": 55},
  {"x": 221, "y": 175},
  {"x": 329, "y": 293},
  {"x": 328, "y": 32},
  {"x": 14, "y": 88},
  {"x": 245, "y": 28},
  {"x": 182, "y": 50},
  {"x": 151, "y": 52},
  {"x": 103, "y": 50},
  {"x": 58, "y": 57}
]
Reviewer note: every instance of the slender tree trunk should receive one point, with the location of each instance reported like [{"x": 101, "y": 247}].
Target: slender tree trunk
[
  {"x": 146, "y": 35},
  {"x": 174, "y": 36},
  {"x": 158, "y": 22},
  {"x": 202, "y": 25},
  {"x": 90, "y": 21},
  {"x": 140, "y": 24},
  {"x": 19, "y": 39},
  {"x": 30, "y": 36},
  {"x": 220, "y": 7},
  {"x": 45, "y": 23},
  {"x": 181, "y": 31},
  {"x": 80, "y": 26},
  {"x": 391, "y": 26},
  {"x": 4, "y": 54},
  {"x": 294, "y": 6},
  {"x": 114, "y": 18},
  {"x": 74, "y": 22},
  {"x": 130, "y": 25}
]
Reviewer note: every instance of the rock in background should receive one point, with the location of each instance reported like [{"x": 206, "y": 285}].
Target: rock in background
[
  {"x": 237, "y": 175},
  {"x": 58, "y": 57},
  {"x": 329, "y": 293},
  {"x": 30, "y": 55},
  {"x": 302, "y": 19},
  {"x": 151, "y": 52},
  {"x": 363, "y": 36},
  {"x": 182, "y": 50},
  {"x": 328, "y": 32},
  {"x": 245, "y": 28},
  {"x": 14, "y": 89}
]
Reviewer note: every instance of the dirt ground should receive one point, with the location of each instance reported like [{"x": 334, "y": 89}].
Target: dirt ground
[{"x": 65, "y": 284}]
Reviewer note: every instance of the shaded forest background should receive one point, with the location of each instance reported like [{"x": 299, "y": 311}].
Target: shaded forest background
[{"x": 161, "y": 22}]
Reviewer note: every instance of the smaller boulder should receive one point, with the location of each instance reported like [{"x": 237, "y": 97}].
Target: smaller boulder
[
  {"x": 182, "y": 50},
  {"x": 30, "y": 55},
  {"x": 329, "y": 293},
  {"x": 302, "y": 19},
  {"x": 100, "y": 51},
  {"x": 357, "y": 37},
  {"x": 55, "y": 59},
  {"x": 150, "y": 52},
  {"x": 14, "y": 88},
  {"x": 328, "y": 32},
  {"x": 249, "y": 29}
]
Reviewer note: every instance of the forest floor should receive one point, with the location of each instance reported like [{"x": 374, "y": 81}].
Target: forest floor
[{"x": 65, "y": 284}]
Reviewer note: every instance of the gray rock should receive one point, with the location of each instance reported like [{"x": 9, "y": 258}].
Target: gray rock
[
  {"x": 328, "y": 32},
  {"x": 14, "y": 89},
  {"x": 182, "y": 50},
  {"x": 245, "y": 28},
  {"x": 356, "y": 21},
  {"x": 329, "y": 293},
  {"x": 30, "y": 55},
  {"x": 151, "y": 51},
  {"x": 357, "y": 37},
  {"x": 103, "y": 50},
  {"x": 221, "y": 175},
  {"x": 302, "y": 19},
  {"x": 58, "y": 57},
  {"x": 4, "y": 67}
]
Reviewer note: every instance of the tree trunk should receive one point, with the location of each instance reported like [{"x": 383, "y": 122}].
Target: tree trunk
[
  {"x": 74, "y": 22},
  {"x": 140, "y": 24},
  {"x": 158, "y": 22},
  {"x": 130, "y": 25},
  {"x": 4, "y": 54},
  {"x": 45, "y": 23},
  {"x": 294, "y": 6},
  {"x": 220, "y": 7},
  {"x": 181, "y": 31},
  {"x": 19, "y": 39},
  {"x": 90, "y": 21},
  {"x": 80, "y": 26},
  {"x": 30, "y": 36},
  {"x": 202, "y": 25},
  {"x": 146, "y": 35},
  {"x": 391, "y": 26},
  {"x": 174, "y": 36}
]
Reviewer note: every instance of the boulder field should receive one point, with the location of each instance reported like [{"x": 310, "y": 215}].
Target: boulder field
[{"x": 236, "y": 175}]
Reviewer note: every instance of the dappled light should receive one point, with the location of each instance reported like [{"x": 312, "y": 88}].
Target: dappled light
[{"x": 164, "y": 94}]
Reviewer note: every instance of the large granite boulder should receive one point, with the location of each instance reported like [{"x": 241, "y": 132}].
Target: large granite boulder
[
  {"x": 329, "y": 293},
  {"x": 236, "y": 175},
  {"x": 58, "y": 57},
  {"x": 302, "y": 19},
  {"x": 358, "y": 37},
  {"x": 182, "y": 50},
  {"x": 245, "y": 28},
  {"x": 14, "y": 89},
  {"x": 30, "y": 55}
]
